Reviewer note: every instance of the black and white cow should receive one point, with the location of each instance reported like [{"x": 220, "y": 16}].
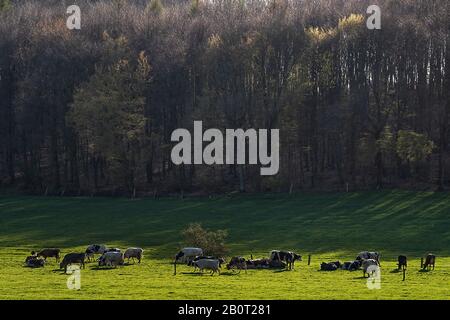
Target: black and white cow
[
  {"x": 331, "y": 266},
  {"x": 287, "y": 256},
  {"x": 187, "y": 254},
  {"x": 94, "y": 249},
  {"x": 351, "y": 265},
  {"x": 365, "y": 255}
]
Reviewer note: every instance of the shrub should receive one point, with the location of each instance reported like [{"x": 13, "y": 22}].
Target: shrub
[{"x": 212, "y": 242}]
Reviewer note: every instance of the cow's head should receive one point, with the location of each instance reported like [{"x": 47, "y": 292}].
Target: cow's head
[
  {"x": 297, "y": 257},
  {"x": 179, "y": 255}
]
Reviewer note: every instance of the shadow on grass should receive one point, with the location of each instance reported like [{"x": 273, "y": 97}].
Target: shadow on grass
[
  {"x": 98, "y": 268},
  {"x": 281, "y": 270},
  {"x": 425, "y": 270},
  {"x": 199, "y": 274},
  {"x": 395, "y": 271}
]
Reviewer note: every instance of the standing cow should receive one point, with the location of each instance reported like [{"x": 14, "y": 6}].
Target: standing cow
[
  {"x": 402, "y": 262},
  {"x": 133, "y": 253},
  {"x": 49, "y": 253},
  {"x": 187, "y": 254},
  {"x": 287, "y": 256},
  {"x": 430, "y": 260},
  {"x": 364, "y": 255},
  {"x": 94, "y": 249},
  {"x": 72, "y": 258}
]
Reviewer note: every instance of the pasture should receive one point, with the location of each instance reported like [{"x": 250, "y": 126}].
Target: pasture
[{"x": 328, "y": 226}]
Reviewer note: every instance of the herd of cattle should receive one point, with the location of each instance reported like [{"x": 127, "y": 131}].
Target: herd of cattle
[
  {"x": 365, "y": 261},
  {"x": 111, "y": 257},
  {"x": 194, "y": 257}
]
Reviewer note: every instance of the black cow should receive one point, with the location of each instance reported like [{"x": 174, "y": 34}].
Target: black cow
[
  {"x": 402, "y": 262},
  {"x": 33, "y": 261},
  {"x": 331, "y": 266},
  {"x": 352, "y": 265},
  {"x": 238, "y": 263},
  {"x": 49, "y": 253},
  {"x": 430, "y": 260},
  {"x": 72, "y": 258},
  {"x": 346, "y": 265},
  {"x": 286, "y": 256}
]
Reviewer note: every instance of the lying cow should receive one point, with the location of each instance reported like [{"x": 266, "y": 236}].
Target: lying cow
[
  {"x": 261, "y": 263},
  {"x": 94, "y": 249},
  {"x": 369, "y": 266},
  {"x": 72, "y": 258},
  {"x": 285, "y": 256},
  {"x": 208, "y": 264},
  {"x": 49, "y": 253},
  {"x": 430, "y": 260},
  {"x": 402, "y": 262},
  {"x": 111, "y": 259},
  {"x": 364, "y": 255},
  {"x": 33, "y": 261},
  {"x": 351, "y": 265},
  {"x": 133, "y": 253},
  {"x": 187, "y": 254},
  {"x": 331, "y": 266}
]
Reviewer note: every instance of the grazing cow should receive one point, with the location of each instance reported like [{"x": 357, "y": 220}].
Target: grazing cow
[
  {"x": 93, "y": 249},
  {"x": 369, "y": 265},
  {"x": 49, "y": 253},
  {"x": 208, "y": 264},
  {"x": 402, "y": 262},
  {"x": 191, "y": 262},
  {"x": 186, "y": 254},
  {"x": 286, "y": 256},
  {"x": 238, "y": 263},
  {"x": 133, "y": 253},
  {"x": 331, "y": 266},
  {"x": 111, "y": 259},
  {"x": 368, "y": 255},
  {"x": 72, "y": 258},
  {"x": 430, "y": 260}
]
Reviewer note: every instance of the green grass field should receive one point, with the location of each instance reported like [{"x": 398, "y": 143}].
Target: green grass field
[{"x": 328, "y": 226}]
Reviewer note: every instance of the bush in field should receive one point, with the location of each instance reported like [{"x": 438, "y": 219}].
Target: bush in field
[{"x": 212, "y": 242}]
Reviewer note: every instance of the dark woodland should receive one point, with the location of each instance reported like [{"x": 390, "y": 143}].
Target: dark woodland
[{"x": 91, "y": 111}]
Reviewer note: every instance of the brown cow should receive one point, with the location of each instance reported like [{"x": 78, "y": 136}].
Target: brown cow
[
  {"x": 49, "y": 253},
  {"x": 430, "y": 260}
]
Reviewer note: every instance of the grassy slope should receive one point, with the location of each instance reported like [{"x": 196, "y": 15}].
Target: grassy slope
[{"x": 326, "y": 225}]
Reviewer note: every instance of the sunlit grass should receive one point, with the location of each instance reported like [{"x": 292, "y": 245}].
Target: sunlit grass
[{"x": 328, "y": 226}]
